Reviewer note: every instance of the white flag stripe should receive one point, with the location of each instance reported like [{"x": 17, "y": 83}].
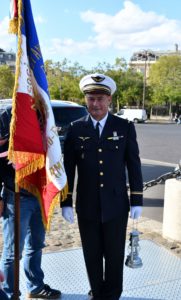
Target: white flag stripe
[{"x": 54, "y": 160}]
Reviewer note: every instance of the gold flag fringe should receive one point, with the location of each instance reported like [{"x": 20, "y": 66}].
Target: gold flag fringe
[
  {"x": 61, "y": 196},
  {"x": 55, "y": 201},
  {"x": 30, "y": 168},
  {"x": 34, "y": 190},
  {"x": 64, "y": 193},
  {"x": 13, "y": 26},
  {"x": 17, "y": 75},
  {"x": 21, "y": 157}
]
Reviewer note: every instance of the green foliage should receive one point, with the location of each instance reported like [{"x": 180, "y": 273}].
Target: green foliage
[
  {"x": 129, "y": 86},
  {"x": 6, "y": 82},
  {"x": 129, "y": 83},
  {"x": 165, "y": 78},
  {"x": 163, "y": 85},
  {"x": 63, "y": 79}
]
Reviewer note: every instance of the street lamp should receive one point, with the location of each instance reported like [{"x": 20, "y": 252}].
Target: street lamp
[
  {"x": 144, "y": 83},
  {"x": 145, "y": 55}
]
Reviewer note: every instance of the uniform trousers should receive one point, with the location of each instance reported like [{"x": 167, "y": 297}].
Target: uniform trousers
[{"x": 103, "y": 247}]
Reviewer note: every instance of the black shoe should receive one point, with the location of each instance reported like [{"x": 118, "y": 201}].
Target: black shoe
[
  {"x": 91, "y": 297},
  {"x": 45, "y": 293}
]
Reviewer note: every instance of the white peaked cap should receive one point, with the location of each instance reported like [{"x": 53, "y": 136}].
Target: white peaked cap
[{"x": 99, "y": 83}]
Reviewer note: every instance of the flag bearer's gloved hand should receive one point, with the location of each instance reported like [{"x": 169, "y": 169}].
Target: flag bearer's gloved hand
[
  {"x": 135, "y": 212},
  {"x": 68, "y": 214}
]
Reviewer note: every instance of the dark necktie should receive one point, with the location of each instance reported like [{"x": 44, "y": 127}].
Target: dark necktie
[{"x": 97, "y": 130}]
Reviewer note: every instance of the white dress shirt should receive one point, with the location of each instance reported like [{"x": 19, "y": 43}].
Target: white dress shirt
[{"x": 102, "y": 123}]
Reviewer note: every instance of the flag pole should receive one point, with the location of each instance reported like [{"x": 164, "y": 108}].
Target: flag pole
[{"x": 16, "y": 242}]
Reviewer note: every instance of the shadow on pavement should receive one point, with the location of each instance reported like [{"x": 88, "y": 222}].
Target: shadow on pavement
[
  {"x": 149, "y": 202},
  {"x": 151, "y": 171}
]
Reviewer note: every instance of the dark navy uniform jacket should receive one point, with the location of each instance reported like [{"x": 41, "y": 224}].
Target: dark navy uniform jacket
[{"x": 101, "y": 164}]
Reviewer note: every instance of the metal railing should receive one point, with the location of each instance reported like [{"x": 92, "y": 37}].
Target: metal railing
[
  {"x": 176, "y": 173},
  {"x": 161, "y": 179}
]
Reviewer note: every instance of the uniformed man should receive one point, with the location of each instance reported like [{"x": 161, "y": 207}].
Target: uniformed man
[{"x": 102, "y": 146}]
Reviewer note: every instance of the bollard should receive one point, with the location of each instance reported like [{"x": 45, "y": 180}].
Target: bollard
[{"x": 172, "y": 210}]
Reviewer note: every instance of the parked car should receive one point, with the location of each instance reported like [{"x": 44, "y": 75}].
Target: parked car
[
  {"x": 135, "y": 115},
  {"x": 65, "y": 112}
]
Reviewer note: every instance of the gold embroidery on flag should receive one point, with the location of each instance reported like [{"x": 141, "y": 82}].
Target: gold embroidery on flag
[{"x": 57, "y": 169}]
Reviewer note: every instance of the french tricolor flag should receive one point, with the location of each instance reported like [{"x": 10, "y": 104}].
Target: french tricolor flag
[{"x": 34, "y": 146}]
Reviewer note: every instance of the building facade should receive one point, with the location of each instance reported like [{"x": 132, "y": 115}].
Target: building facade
[
  {"x": 8, "y": 58},
  {"x": 141, "y": 61}
]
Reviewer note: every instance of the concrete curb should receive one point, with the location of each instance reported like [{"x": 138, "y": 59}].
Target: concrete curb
[{"x": 160, "y": 122}]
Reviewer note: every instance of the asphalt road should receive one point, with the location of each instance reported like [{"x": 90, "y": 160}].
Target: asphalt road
[{"x": 160, "y": 152}]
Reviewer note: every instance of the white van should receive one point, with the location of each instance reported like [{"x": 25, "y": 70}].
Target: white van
[{"x": 135, "y": 115}]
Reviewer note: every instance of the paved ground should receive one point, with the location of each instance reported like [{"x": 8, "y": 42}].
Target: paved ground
[
  {"x": 63, "y": 235},
  {"x": 65, "y": 270}
]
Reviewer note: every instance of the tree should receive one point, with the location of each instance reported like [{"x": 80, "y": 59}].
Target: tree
[
  {"x": 164, "y": 79},
  {"x": 6, "y": 82},
  {"x": 63, "y": 79},
  {"x": 133, "y": 88},
  {"x": 129, "y": 84},
  {"x": 53, "y": 73}
]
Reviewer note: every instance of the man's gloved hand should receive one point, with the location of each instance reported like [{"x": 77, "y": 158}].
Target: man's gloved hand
[
  {"x": 68, "y": 214},
  {"x": 135, "y": 212}
]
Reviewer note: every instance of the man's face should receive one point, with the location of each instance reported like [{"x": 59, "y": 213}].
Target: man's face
[{"x": 98, "y": 104}]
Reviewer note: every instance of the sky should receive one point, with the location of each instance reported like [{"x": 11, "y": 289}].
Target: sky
[{"x": 95, "y": 31}]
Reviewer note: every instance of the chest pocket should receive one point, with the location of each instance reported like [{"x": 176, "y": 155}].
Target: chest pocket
[
  {"x": 83, "y": 144},
  {"x": 115, "y": 145}
]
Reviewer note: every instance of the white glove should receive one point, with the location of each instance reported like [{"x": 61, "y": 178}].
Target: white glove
[
  {"x": 135, "y": 212},
  {"x": 68, "y": 214}
]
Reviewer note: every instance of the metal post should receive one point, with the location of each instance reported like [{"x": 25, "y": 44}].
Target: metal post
[
  {"x": 144, "y": 82},
  {"x": 16, "y": 242}
]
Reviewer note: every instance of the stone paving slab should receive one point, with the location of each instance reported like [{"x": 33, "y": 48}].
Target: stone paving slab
[{"x": 158, "y": 279}]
